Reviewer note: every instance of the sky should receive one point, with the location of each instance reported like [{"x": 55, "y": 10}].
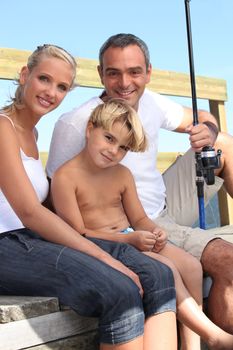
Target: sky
[{"x": 81, "y": 27}]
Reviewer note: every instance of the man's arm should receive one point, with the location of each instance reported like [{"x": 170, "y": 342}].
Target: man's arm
[
  {"x": 65, "y": 144},
  {"x": 204, "y": 133}
]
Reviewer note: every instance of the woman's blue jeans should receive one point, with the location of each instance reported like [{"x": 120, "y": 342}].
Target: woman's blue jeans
[{"x": 31, "y": 266}]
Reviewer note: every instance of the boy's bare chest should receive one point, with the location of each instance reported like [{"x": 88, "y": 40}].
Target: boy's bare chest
[{"x": 100, "y": 192}]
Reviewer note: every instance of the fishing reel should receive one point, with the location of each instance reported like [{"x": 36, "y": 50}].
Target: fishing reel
[{"x": 206, "y": 162}]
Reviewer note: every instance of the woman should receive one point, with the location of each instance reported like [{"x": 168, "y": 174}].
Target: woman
[{"x": 42, "y": 255}]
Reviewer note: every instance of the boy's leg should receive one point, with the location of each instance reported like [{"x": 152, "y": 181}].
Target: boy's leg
[{"x": 189, "y": 268}]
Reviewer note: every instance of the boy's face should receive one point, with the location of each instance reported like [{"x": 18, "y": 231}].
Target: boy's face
[
  {"x": 124, "y": 73},
  {"x": 107, "y": 148}
]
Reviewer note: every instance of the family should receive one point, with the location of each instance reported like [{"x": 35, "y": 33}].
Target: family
[{"x": 117, "y": 243}]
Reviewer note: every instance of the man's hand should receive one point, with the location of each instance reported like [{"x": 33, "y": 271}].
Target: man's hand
[
  {"x": 204, "y": 133},
  {"x": 200, "y": 136}
]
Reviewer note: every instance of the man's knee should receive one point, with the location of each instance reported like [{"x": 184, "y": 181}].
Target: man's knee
[{"x": 216, "y": 257}]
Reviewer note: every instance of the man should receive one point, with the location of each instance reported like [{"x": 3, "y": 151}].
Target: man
[{"x": 170, "y": 200}]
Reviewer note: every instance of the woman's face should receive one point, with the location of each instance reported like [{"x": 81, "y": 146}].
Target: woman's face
[{"x": 46, "y": 85}]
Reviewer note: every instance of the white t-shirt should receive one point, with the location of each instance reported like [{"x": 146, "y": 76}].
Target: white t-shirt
[{"x": 155, "y": 112}]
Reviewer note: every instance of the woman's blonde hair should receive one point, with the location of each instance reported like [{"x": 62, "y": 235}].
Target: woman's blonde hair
[
  {"x": 117, "y": 110},
  {"x": 46, "y": 50}
]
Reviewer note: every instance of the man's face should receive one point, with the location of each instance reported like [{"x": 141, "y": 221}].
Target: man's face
[{"x": 124, "y": 73}]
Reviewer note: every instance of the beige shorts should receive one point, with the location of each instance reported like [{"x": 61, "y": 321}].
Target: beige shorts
[{"x": 182, "y": 207}]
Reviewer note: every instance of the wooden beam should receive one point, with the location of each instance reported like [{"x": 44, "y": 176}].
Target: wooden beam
[{"x": 164, "y": 82}]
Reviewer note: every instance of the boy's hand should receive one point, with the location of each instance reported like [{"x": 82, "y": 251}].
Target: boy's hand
[
  {"x": 142, "y": 240},
  {"x": 161, "y": 239}
]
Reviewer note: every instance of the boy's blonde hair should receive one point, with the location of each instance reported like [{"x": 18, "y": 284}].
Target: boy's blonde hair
[
  {"x": 46, "y": 50},
  {"x": 117, "y": 110}
]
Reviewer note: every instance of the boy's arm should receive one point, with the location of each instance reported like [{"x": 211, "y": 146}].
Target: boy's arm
[{"x": 147, "y": 235}]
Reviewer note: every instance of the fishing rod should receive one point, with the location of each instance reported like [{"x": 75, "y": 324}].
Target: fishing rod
[{"x": 206, "y": 160}]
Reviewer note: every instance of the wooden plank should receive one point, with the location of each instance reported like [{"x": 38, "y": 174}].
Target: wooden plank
[
  {"x": 225, "y": 208},
  {"x": 16, "y": 308},
  {"x": 178, "y": 84},
  {"x": 165, "y": 159},
  {"x": 44, "y": 157},
  {"x": 164, "y": 82},
  {"x": 217, "y": 108},
  {"x": 39, "y": 330}
]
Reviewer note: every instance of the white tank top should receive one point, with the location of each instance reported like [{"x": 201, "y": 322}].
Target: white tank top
[{"x": 34, "y": 169}]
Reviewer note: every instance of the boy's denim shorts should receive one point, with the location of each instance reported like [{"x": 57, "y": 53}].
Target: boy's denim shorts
[{"x": 32, "y": 266}]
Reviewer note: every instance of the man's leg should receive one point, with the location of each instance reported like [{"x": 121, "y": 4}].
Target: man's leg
[
  {"x": 180, "y": 182},
  {"x": 181, "y": 190},
  {"x": 217, "y": 261},
  {"x": 225, "y": 143},
  {"x": 216, "y": 256}
]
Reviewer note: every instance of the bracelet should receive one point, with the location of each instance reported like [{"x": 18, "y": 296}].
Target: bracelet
[{"x": 212, "y": 127}]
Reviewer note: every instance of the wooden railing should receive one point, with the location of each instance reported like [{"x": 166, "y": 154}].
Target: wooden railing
[{"x": 164, "y": 82}]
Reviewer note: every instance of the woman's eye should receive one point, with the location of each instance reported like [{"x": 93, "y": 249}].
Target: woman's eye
[
  {"x": 62, "y": 87},
  {"x": 43, "y": 78}
]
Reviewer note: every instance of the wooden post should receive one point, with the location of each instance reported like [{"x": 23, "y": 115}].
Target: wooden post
[{"x": 217, "y": 108}]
